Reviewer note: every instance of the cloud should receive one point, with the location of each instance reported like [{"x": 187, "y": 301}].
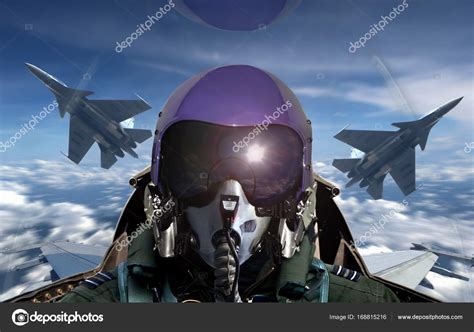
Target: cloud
[
  {"x": 407, "y": 224},
  {"x": 314, "y": 92},
  {"x": 40, "y": 204},
  {"x": 424, "y": 92},
  {"x": 27, "y": 221},
  {"x": 412, "y": 224},
  {"x": 445, "y": 173},
  {"x": 167, "y": 68},
  {"x": 448, "y": 289},
  {"x": 28, "y": 218},
  {"x": 65, "y": 175},
  {"x": 439, "y": 214}
]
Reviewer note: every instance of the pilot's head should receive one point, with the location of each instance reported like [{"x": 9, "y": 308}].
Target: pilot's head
[{"x": 232, "y": 150}]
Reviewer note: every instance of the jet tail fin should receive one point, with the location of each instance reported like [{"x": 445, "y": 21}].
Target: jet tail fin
[
  {"x": 138, "y": 135},
  {"x": 107, "y": 158},
  {"x": 375, "y": 189},
  {"x": 345, "y": 165}
]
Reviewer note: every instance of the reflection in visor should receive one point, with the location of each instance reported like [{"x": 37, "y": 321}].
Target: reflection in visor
[{"x": 196, "y": 157}]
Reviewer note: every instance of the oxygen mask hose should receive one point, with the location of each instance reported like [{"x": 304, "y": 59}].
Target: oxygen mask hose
[{"x": 227, "y": 267}]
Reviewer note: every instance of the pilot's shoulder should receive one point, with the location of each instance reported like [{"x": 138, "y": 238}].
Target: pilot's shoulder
[
  {"x": 101, "y": 287},
  {"x": 351, "y": 286}
]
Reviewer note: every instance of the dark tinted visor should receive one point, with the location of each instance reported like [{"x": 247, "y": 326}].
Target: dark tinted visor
[{"x": 197, "y": 156}]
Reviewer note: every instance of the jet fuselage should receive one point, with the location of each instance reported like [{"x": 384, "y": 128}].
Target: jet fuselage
[
  {"x": 375, "y": 164},
  {"x": 108, "y": 132}
]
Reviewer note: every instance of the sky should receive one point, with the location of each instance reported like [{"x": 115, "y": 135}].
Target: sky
[{"x": 427, "y": 49}]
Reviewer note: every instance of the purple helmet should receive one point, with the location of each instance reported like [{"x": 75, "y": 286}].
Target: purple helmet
[
  {"x": 215, "y": 119},
  {"x": 237, "y": 15}
]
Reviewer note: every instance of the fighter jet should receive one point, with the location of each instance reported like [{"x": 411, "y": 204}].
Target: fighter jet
[
  {"x": 96, "y": 121},
  {"x": 388, "y": 152}
]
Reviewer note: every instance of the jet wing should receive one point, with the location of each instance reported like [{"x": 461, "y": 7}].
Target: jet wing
[
  {"x": 63, "y": 259},
  {"x": 363, "y": 140},
  {"x": 120, "y": 110},
  {"x": 69, "y": 258},
  {"x": 80, "y": 139},
  {"x": 403, "y": 172},
  {"x": 407, "y": 268}
]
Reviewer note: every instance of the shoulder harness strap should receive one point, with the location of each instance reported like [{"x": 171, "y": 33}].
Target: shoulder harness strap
[
  {"x": 98, "y": 279},
  {"x": 345, "y": 273}
]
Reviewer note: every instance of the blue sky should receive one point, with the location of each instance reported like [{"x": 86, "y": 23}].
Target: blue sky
[{"x": 428, "y": 49}]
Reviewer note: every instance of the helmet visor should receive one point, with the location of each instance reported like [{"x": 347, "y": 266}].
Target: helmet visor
[{"x": 197, "y": 156}]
